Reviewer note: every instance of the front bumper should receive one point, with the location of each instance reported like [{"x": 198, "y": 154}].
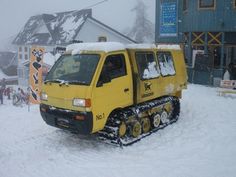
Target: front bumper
[{"x": 66, "y": 119}]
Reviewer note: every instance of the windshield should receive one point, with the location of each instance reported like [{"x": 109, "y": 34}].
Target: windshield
[{"x": 74, "y": 69}]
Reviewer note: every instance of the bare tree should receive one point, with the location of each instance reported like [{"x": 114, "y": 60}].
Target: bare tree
[{"x": 143, "y": 29}]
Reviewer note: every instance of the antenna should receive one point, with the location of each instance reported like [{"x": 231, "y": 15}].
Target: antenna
[{"x": 93, "y": 5}]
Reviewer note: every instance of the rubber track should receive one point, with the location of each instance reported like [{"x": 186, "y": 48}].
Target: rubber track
[{"x": 108, "y": 134}]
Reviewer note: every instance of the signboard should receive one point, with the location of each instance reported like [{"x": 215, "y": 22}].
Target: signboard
[
  {"x": 168, "y": 19},
  {"x": 35, "y": 79}
]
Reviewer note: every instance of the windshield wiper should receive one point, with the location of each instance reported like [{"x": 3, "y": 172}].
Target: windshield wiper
[
  {"x": 63, "y": 82},
  {"x": 53, "y": 81},
  {"x": 77, "y": 82}
]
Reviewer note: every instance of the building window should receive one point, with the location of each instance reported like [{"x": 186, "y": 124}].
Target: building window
[
  {"x": 20, "y": 56},
  {"x": 185, "y": 5},
  {"x": 234, "y": 3},
  {"x": 20, "y": 49},
  {"x": 206, "y": 4},
  {"x": 26, "y": 49},
  {"x": 26, "y": 57},
  {"x": 102, "y": 39}
]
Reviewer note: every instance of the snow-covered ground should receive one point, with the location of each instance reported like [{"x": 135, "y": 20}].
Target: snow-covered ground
[{"x": 201, "y": 144}]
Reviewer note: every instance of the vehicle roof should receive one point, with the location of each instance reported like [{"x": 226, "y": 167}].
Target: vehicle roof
[
  {"x": 114, "y": 46},
  {"x": 95, "y": 46}
]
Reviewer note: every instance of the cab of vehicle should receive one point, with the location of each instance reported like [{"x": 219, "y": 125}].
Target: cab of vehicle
[{"x": 85, "y": 85}]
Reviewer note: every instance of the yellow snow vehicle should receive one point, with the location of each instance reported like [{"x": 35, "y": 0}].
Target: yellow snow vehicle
[{"x": 121, "y": 92}]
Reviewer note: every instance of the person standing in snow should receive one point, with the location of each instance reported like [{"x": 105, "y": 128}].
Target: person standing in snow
[
  {"x": 226, "y": 75},
  {"x": 2, "y": 89},
  {"x": 1, "y": 95},
  {"x": 8, "y": 91},
  {"x": 232, "y": 71}
]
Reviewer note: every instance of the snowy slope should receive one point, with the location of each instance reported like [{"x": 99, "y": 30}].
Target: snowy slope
[{"x": 201, "y": 144}]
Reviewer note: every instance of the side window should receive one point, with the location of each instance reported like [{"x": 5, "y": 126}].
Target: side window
[
  {"x": 115, "y": 66},
  {"x": 206, "y": 4},
  {"x": 20, "y": 56},
  {"x": 166, "y": 63},
  {"x": 147, "y": 65},
  {"x": 26, "y": 49}
]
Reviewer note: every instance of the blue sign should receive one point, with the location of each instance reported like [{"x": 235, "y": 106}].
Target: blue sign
[{"x": 168, "y": 20}]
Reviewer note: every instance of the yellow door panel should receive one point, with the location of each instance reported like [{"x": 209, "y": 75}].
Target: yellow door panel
[{"x": 114, "y": 94}]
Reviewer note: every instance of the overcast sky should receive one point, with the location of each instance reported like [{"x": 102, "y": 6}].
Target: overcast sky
[{"x": 115, "y": 13}]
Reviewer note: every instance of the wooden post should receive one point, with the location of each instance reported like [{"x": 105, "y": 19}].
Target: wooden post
[
  {"x": 222, "y": 52},
  {"x": 205, "y": 44},
  {"x": 190, "y": 48}
]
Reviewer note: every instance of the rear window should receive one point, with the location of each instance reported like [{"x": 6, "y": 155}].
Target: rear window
[
  {"x": 166, "y": 63},
  {"x": 147, "y": 65}
]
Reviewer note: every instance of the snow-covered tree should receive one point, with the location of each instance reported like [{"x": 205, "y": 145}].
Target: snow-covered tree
[{"x": 143, "y": 29}]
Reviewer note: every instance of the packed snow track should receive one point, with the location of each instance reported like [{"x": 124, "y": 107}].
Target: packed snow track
[{"x": 201, "y": 143}]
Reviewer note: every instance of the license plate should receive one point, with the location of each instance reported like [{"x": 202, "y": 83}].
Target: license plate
[{"x": 63, "y": 122}]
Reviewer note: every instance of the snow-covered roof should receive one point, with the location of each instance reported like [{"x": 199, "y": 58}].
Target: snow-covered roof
[
  {"x": 2, "y": 75},
  {"x": 7, "y": 59},
  {"x": 140, "y": 46},
  {"x": 114, "y": 46},
  {"x": 169, "y": 46},
  {"x": 60, "y": 28},
  {"x": 95, "y": 46}
]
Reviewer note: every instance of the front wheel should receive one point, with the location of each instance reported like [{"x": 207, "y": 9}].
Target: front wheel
[
  {"x": 135, "y": 129},
  {"x": 156, "y": 120},
  {"x": 164, "y": 117}
]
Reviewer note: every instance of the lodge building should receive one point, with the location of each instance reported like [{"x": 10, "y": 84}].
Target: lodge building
[{"x": 206, "y": 29}]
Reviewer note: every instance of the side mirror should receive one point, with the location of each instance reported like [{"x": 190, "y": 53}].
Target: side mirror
[{"x": 104, "y": 78}]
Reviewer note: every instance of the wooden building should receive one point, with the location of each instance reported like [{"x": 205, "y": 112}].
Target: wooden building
[{"x": 207, "y": 31}]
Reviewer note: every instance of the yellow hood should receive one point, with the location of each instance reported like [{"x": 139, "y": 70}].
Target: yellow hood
[{"x": 62, "y": 95}]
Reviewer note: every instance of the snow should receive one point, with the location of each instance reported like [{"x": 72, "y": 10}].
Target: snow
[
  {"x": 166, "y": 64},
  {"x": 167, "y": 68},
  {"x": 169, "y": 88},
  {"x": 169, "y": 47},
  {"x": 202, "y": 143},
  {"x": 115, "y": 46},
  {"x": 151, "y": 71},
  {"x": 95, "y": 46},
  {"x": 226, "y": 75},
  {"x": 70, "y": 26},
  {"x": 2, "y": 75},
  {"x": 49, "y": 58},
  {"x": 141, "y": 46}
]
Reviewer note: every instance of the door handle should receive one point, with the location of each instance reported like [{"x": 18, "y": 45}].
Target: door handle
[{"x": 126, "y": 89}]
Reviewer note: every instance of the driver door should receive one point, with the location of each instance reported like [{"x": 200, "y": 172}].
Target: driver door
[{"x": 114, "y": 88}]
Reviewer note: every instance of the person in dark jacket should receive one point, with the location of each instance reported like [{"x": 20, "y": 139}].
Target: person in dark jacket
[
  {"x": 1, "y": 95},
  {"x": 232, "y": 71},
  {"x": 8, "y": 92},
  {"x": 2, "y": 89}
]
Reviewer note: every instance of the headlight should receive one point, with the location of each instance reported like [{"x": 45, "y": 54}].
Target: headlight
[
  {"x": 81, "y": 102},
  {"x": 44, "y": 96}
]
